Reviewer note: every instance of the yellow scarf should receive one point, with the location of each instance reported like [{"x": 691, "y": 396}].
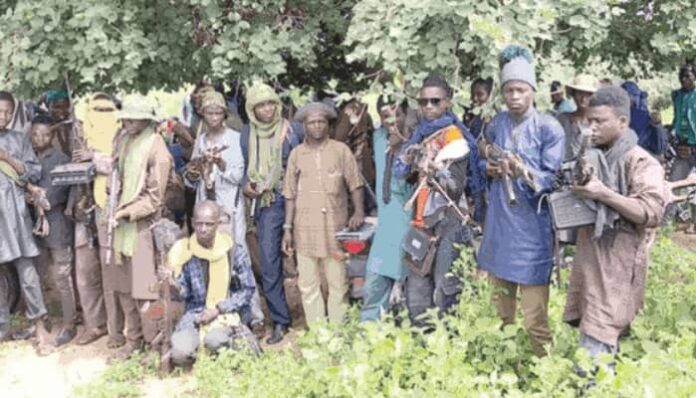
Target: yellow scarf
[
  {"x": 100, "y": 127},
  {"x": 132, "y": 164},
  {"x": 218, "y": 260},
  {"x": 9, "y": 171}
]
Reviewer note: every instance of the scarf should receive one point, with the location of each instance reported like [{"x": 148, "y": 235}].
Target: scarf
[
  {"x": 218, "y": 263},
  {"x": 132, "y": 162},
  {"x": 99, "y": 130},
  {"x": 611, "y": 170},
  {"x": 10, "y": 172},
  {"x": 265, "y": 144},
  {"x": 476, "y": 180}
]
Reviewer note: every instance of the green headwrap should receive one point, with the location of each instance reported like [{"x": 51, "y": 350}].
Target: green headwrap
[
  {"x": 55, "y": 95},
  {"x": 265, "y": 144}
]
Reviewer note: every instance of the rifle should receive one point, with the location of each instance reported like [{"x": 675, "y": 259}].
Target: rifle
[
  {"x": 203, "y": 165},
  {"x": 582, "y": 169},
  {"x": 264, "y": 186},
  {"x": 111, "y": 211},
  {"x": 165, "y": 233},
  {"x": 427, "y": 168}
]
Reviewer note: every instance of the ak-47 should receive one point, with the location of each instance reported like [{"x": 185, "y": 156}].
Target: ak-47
[
  {"x": 165, "y": 233},
  {"x": 688, "y": 182},
  {"x": 582, "y": 169},
  {"x": 202, "y": 168},
  {"x": 264, "y": 186},
  {"x": 111, "y": 211},
  {"x": 507, "y": 160},
  {"x": 427, "y": 165}
]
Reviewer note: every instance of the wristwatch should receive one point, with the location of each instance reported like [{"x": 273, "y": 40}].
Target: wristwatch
[{"x": 287, "y": 227}]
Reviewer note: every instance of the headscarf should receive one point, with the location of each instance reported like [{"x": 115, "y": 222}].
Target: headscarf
[
  {"x": 100, "y": 126},
  {"x": 265, "y": 144},
  {"x": 214, "y": 98},
  {"x": 640, "y": 115},
  {"x": 55, "y": 95}
]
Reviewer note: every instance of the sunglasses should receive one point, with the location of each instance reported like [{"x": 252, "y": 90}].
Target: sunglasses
[{"x": 425, "y": 101}]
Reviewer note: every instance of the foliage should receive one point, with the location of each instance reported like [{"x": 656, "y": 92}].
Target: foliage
[
  {"x": 469, "y": 355},
  {"x": 163, "y": 44}
]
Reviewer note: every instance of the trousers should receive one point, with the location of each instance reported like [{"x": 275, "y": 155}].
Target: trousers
[
  {"x": 269, "y": 230},
  {"x": 440, "y": 288},
  {"x": 59, "y": 263},
  {"x": 378, "y": 289},
  {"x": 309, "y": 283},
  {"x": 534, "y": 300},
  {"x": 89, "y": 269},
  {"x": 185, "y": 342},
  {"x": 30, "y": 284}
]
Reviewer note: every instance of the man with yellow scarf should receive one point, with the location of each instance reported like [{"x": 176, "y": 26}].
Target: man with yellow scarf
[
  {"x": 215, "y": 282},
  {"x": 266, "y": 146},
  {"x": 144, "y": 165}
]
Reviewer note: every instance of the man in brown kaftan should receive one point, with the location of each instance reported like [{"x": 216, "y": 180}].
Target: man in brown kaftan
[
  {"x": 144, "y": 164},
  {"x": 607, "y": 282}
]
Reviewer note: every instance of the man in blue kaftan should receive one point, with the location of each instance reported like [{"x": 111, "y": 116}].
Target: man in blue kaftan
[{"x": 517, "y": 247}]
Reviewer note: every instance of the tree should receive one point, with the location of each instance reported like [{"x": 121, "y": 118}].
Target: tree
[{"x": 146, "y": 44}]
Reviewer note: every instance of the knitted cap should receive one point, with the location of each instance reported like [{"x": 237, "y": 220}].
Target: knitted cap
[{"x": 516, "y": 63}]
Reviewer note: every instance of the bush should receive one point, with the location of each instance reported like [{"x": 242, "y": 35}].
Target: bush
[{"x": 469, "y": 355}]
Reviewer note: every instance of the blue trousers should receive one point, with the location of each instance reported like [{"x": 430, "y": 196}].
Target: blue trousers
[
  {"x": 377, "y": 291},
  {"x": 269, "y": 230}
]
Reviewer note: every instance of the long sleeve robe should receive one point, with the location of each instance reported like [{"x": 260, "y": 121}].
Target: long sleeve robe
[
  {"x": 607, "y": 280},
  {"x": 16, "y": 239},
  {"x": 518, "y": 240},
  {"x": 227, "y": 183}
]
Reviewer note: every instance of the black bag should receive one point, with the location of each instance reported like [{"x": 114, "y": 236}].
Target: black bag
[{"x": 420, "y": 247}]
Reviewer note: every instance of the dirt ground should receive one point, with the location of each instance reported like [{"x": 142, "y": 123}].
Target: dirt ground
[{"x": 66, "y": 368}]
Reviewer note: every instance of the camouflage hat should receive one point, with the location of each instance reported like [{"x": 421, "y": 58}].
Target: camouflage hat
[
  {"x": 137, "y": 107},
  {"x": 213, "y": 98}
]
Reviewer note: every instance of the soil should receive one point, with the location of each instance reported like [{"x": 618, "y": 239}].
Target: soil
[
  {"x": 68, "y": 367},
  {"x": 687, "y": 241}
]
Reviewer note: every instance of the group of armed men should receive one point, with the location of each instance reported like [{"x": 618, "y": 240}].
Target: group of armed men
[{"x": 251, "y": 186}]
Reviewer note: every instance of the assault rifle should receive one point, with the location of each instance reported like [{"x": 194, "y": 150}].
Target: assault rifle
[
  {"x": 428, "y": 164},
  {"x": 165, "y": 233},
  {"x": 505, "y": 158},
  {"x": 202, "y": 167},
  {"x": 263, "y": 187},
  {"x": 582, "y": 169},
  {"x": 111, "y": 210}
]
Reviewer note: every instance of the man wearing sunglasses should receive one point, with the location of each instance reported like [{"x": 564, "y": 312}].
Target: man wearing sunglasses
[
  {"x": 518, "y": 240},
  {"x": 440, "y": 199}
]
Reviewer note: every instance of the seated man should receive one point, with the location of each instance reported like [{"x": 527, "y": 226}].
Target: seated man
[{"x": 214, "y": 281}]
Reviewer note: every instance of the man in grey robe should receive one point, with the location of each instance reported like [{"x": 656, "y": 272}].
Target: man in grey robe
[{"x": 18, "y": 165}]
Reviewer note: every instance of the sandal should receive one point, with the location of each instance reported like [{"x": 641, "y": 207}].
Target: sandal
[{"x": 115, "y": 342}]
